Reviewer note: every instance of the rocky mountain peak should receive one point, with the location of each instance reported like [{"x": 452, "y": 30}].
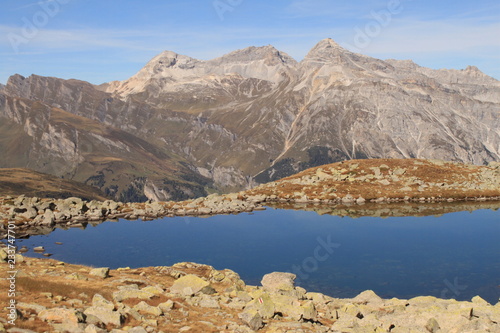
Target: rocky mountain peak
[
  {"x": 268, "y": 53},
  {"x": 166, "y": 61},
  {"x": 172, "y": 59},
  {"x": 324, "y": 50}
]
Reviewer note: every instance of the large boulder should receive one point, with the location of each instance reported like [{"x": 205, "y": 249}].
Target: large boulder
[
  {"x": 105, "y": 315},
  {"x": 130, "y": 292},
  {"x": 278, "y": 281},
  {"x": 188, "y": 285},
  {"x": 102, "y": 272},
  {"x": 61, "y": 315}
]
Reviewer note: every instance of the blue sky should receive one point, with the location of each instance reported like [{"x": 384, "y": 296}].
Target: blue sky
[{"x": 105, "y": 40}]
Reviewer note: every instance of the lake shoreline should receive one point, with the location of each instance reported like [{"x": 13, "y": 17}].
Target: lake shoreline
[
  {"x": 32, "y": 214},
  {"x": 353, "y": 184},
  {"x": 53, "y": 295}
]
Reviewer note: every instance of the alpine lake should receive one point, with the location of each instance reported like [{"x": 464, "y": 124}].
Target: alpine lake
[{"x": 443, "y": 250}]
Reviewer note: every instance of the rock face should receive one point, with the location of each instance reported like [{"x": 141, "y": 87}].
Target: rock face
[{"x": 253, "y": 115}]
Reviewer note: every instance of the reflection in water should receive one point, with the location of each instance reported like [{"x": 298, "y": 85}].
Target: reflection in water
[
  {"x": 395, "y": 209},
  {"x": 456, "y": 255}
]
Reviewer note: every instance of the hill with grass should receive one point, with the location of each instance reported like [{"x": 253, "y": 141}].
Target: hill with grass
[{"x": 18, "y": 181}]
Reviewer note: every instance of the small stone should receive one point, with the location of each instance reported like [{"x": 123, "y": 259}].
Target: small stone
[
  {"x": 432, "y": 325},
  {"x": 166, "y": 306},
  {"x": 208, "y": 290}
]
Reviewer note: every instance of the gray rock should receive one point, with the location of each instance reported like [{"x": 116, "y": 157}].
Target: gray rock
[
  {"x": 432, "y": 325},
  {"x": 99, "y": 301},
  {"x": 145, "y": 308},
  {"x": 105, "y": 315},
  {"x": 102, "y": 272},
  {"x": 94, "y": 329},
  {"x": 278, "y": 281},
  {"x": 166, "y": 306},
  {"x": 35, "y": 307},
  {"x": 368, "y": 296},
  {"x": 124, "y": 294},
  {"x": 209, "y": 302},
  {"x": 252, "y": 318},
  {"x": 61, "y": 315},
  {"x": 188, "y": 285},
  {"x": 137, "y": 329},
  {"x": 263, "y": 304}
]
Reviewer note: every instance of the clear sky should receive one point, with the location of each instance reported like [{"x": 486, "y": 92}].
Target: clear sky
[{"x": 105, "y": 40}]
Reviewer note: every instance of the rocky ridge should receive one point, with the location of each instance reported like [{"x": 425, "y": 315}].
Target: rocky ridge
[{"x": 188, "y": 297}]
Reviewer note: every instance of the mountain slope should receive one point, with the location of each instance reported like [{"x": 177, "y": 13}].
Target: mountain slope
[
  {"x": 16, "y": 182},
  {"x": 123, "y": 166},
  {"x": 256, "y": 115}
]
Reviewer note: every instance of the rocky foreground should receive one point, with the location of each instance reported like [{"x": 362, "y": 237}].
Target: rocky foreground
[
  {"x": 353, "y": 184},
  {"x": 53, "y": 296}
]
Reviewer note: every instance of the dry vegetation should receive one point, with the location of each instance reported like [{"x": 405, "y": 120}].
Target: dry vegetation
[
  {"x": 388, "y": 178},
  {"x": 45, "y": 282},
  {"x": 17, "y": 181}
]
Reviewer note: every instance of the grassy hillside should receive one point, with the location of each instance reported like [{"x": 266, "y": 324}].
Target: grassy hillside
[{"x": 17, "y": 181}]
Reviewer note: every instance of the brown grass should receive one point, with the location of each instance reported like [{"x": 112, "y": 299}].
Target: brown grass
[
  {"x": 58, "y": 288},
  {"x": 421, "y": 170},
  {"x": 18, "y": 181}
]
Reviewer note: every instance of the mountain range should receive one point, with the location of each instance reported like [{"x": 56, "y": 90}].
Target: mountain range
[{"x": 183, "y": 127}]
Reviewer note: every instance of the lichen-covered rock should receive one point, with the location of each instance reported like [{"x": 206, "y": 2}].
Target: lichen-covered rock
[
  {"x": 102, "y": 272},
  {"x": 252, "y": 318},
  {"x": 145, "y": 308},
  {"x": 105, "y": 315},
  {"x": 99, "y": 301},
  {"x": 128, "y": 293},
  {"x": 188, "y": 285},
  {"x": 263, "y": 303},
  {"x": 61, "y": 315}
]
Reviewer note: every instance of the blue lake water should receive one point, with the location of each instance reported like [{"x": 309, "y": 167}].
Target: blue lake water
[{"x": 456, "y": 255}]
